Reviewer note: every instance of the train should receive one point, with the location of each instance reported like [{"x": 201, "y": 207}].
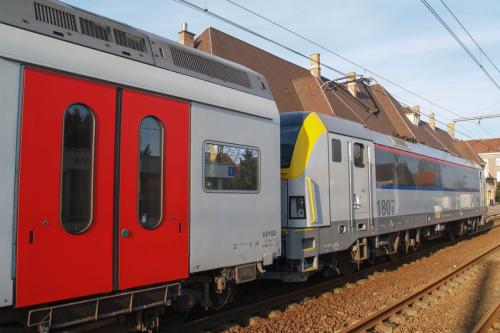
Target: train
[{"x": 140, "y": 175}]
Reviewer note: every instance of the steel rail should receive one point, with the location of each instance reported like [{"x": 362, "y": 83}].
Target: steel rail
[
  {"x": 236, "y": 315},
  {"x": 385, "y": 313},
  {"x": 488, "y": 319}
]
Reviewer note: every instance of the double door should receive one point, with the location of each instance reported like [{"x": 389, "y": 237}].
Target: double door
[{"x": 103, "y": 189}]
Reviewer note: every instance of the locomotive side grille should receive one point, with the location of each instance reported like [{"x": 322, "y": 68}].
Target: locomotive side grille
[
  {"x": 55, "y": 17},
  {"x": 209, "y": 67},
  {"x": 95, "y": 30},
  {"x": 129, "y": 40},
  {"x": 399, "y": 142}
]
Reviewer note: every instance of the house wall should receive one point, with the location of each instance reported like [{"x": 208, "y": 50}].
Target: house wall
[{"x": 492, "y": 168}]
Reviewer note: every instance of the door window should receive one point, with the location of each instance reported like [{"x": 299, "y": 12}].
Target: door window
[
  {"x": 150, "y": 173},
  {"x": 77, "y": 169},
  {"x": 359, "y": 155},
  {"x": 336, "y": 151}
]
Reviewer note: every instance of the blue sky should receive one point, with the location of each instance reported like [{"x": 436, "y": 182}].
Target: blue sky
[{"x": 397, "y": 39}]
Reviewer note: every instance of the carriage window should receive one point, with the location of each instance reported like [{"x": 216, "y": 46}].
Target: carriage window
[
  {"x": 231, "y": 168},
  {"x": 77, "y": 169},
  {"x": 150, "y": 173},
  {"x": 359, "y": 155},
  {"x": 336, "y": 151}
]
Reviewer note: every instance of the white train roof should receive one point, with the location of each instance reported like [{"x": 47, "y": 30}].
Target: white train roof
[{"x": 190, "y": 79}]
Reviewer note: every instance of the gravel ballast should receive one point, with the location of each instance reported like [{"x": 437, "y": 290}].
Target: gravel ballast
[{"x": 340, "y": 307}]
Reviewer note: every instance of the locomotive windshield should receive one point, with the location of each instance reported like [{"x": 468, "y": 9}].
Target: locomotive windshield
[{"x": 291, "y": 122}]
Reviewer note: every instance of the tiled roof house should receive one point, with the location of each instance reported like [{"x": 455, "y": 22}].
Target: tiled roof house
[{"x": 299, "y": 89}]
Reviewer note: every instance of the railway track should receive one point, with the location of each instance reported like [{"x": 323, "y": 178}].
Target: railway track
[
  {"x": 393, "y": 315},
  {"x": 490, "y": 321},
  {"x": 269, "y": 306}
]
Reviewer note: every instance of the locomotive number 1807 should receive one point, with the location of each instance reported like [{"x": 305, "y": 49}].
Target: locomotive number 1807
[{"x": 386, "y": 207}]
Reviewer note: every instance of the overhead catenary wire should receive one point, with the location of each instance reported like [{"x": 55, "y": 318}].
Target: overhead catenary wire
[
  {"x": 210, "y": 13},
  {"x": 324, "y": 48},
  {"x": 484, "y": 129},
  {"x": 460, "y": 42},
  {"x": 345, "y": 59},
  {"x": 470, "y": 36},
  {"x": 341, "y": 57},
  {"x": 239, "y": 26}
]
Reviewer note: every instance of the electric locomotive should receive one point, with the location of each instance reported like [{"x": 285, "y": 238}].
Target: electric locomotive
[{"x": 350, "y": 194}]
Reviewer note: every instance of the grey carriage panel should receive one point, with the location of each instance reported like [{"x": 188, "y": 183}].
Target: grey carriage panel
[
  {"x": 28, "y": 47},
  {"x": 229, "y": 228},
  {"x": 9, "y": 109},
  {"x": 64, "y": 22}
]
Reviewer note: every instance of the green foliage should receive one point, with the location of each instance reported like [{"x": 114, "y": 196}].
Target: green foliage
[
  {"x": 497, "y": 194},
  {"x": 246, "y": 178}
]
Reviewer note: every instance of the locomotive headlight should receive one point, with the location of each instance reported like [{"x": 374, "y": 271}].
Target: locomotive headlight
[{"x": 297, "y": 208}]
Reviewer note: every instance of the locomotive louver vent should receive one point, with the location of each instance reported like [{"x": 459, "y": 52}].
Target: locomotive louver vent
[
  {"x": 95, "y": 30},
  {"x": 400, "y": 142},
  {"x": 129, "y": 40},
  {"x": 209, "y": 67},
  {"x": 55, "y": 17}
]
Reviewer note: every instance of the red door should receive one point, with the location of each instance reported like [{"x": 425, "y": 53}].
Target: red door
[
  {"x": 65, "y": 213},
  {"x": 153, "y": 223}
]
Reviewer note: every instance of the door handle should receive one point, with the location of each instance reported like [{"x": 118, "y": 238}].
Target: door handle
[{"x": 125, "y": 233}]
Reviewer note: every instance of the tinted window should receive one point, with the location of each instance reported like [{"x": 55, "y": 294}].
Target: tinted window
[
  {"x": 290, "y": 124},
  {"x": 231, "y": 168},
  {"x": 385, "y": 168},
  {"x": 77, "y": 169},
  {"x": 288, "y": 136},
  {"x": 401, "y": 170},
  {"x": 358, "y": 151},
  {"x": 336, "y": 151},
  {"x": 150, "y": 173}
]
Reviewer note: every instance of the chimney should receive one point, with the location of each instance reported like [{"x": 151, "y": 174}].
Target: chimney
[
  {"x": 315, "y": 64},
  {"x": 352, "y": 86},
  {"x": 451, "y": 130},
  {"x": 186, "y": 37},
  {"x": 413, "y": 114},
  {"x": 432, "y": 121}
]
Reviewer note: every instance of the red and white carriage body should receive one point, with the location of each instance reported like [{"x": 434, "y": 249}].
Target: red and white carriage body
[{"x": 127, "y": 161}]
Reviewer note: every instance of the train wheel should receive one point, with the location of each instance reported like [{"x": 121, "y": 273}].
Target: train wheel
[
  {"x": 147, "y": 321},
  {"x": 452, "y": 234},
  {"x": 371, "y": 256},
  {"x": 395, "y": 250},
  {"x": 220, "y": 300},
  {"x": 345, "y": 264}
]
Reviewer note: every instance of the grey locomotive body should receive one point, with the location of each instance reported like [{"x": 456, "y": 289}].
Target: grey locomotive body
[{"x": 350, "y": 194}]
